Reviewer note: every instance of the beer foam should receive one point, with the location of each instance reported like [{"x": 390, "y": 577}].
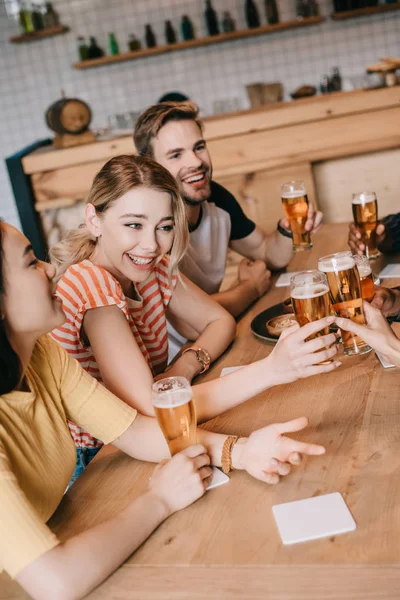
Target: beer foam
[
  {"x": 364, "y": 197},
  {"x": 173, "y": 399},
  {"x": 309, "y": 291},
  {"x": 364, "y": 270},
  {"x": 298, "y": 194},
  {"x": 335, "y": 264}
]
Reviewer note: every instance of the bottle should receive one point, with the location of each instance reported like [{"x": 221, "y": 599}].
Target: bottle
[
  {"x": 271, "y": 10},
  {"x": 113, "y": 44},
  {"x": 51, "y": 16},
  {"x": 335, "y": 80},
  {"x": 211, "y": 19},
  {"x": 151, "y": 41},
  {"x": 94, "y": 51},
  {"x": 324, "y": 85},
  {"x": 170, "y": 35},
  {"x": 301, "y": 9},
  {"x": 187, "y": 28},
  {"x": 252, "y": 16},
  {"x": 82, "y": 48},
  {"x": 228, "y": 23},
  {"x": 134, "y": 43},
  {"x": 25, "y": 19},
  {"x": 314, "y": 8},
  {"x": 37, "y": 18}
]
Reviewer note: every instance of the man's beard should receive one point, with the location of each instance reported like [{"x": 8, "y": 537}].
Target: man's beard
[{"x": 193, "y": 200}]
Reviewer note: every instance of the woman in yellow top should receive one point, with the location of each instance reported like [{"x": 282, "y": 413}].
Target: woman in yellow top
[{"x": 41, "y": 387}]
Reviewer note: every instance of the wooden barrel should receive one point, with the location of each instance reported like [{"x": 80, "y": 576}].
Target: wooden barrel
[{"x": 69, "y": 116}]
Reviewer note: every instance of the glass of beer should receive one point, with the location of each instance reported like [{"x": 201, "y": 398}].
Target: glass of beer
[
  {"x": 176, "y": 412},
  {"x": 345, "y": 295},
  {"x": 309, "y": 291},
  {"x": 365, "y": 215},
  {"x": 366, "y": 277},
  {"x": 295, "y": 204}
]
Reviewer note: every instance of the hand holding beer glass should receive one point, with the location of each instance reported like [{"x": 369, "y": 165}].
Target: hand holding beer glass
[
  {"x": 176, "y": 412},
  {"x": 295, "y": 204},
  {"x": 366, "y": 277},
  {"x": 365, "y": 215},
  {"x": 345, "y": 295},
  {"x": 309, "y": 291}
]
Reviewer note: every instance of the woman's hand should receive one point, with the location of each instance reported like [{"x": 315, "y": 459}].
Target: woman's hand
[
  {"x": 377, "y": 333},
  {"x": 293, "y": 358},
  {"x": 386, "y": 300},
  {"x": 181, "y": 480},
  {"x": 267, "y": 453}
]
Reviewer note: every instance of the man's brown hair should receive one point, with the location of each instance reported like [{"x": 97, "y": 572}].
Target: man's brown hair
[{"x": 155, "y": 117}]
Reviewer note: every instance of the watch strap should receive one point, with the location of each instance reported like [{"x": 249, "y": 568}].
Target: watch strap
[{"x": 284, "y": 231}]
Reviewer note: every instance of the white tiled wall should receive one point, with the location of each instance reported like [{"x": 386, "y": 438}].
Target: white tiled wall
[{"x": 31, "y": 75}]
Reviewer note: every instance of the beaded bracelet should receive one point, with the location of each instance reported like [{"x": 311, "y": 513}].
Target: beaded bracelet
[{"x": 226, "y": 457}]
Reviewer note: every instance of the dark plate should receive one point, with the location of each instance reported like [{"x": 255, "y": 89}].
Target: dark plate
[{"x": 258, "y": 323}]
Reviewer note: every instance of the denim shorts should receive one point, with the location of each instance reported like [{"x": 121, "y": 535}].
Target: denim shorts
[{"x": 83, "y": 458}]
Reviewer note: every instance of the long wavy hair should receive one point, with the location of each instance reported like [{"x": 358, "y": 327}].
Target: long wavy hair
[
  {"x": 10, "y": 365},
  {"x": 117, "y": 177}
]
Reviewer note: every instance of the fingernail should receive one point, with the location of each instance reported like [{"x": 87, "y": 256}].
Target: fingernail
[
  {"x": 339, "y": 321},
  {"x": 330, "y": 319},
  {"x": 274, "y": 462},
  {"x": 338, "y": 363}
]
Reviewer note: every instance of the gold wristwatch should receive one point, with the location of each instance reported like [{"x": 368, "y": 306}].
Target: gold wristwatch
[{"x": 202, "y": 356}]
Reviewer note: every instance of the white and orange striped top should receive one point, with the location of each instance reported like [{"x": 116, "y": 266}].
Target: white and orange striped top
[{"x": 85, "y": 286}]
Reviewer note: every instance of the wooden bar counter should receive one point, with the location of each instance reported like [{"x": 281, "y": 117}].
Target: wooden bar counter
[
  {"x": 226, "y": 545},
  {"x": 338, "y": 144}
]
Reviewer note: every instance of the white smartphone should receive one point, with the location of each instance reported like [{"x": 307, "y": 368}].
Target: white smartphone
[
  {"x": 219, "y": 478},
  {"x": 284, "y": 279}
]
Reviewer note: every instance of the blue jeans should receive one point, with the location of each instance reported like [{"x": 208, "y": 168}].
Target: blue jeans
[{"x": 83, "y": 458}]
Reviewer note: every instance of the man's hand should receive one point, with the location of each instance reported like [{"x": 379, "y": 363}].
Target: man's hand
[
  {"x": 313, "y": 223},
  {"x": 257, "y": 273},
  {"x": 354, "y": 241}
]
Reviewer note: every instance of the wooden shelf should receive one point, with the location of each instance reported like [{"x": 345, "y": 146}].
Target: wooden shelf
[
  {"x": 363, "y": 12},
  {"x": 215, "y": 39},
  {"x": 38, "y": 35}
]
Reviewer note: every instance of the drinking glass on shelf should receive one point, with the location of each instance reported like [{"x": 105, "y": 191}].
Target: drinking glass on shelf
[
  {"x": 295, "y": 204},
  {"x": 366, "y": 276},
  {"x": 345, "y": 295},
  {"x": 175, "y": 410},
  {"x": 365, "y": 215},
  {"x": 309, "y": 292}
]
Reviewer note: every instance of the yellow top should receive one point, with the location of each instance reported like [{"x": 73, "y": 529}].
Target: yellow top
[{"x": 37, "y": 454}]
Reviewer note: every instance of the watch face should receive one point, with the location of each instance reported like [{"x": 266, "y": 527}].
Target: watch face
[{"x": 204, "y": 356}]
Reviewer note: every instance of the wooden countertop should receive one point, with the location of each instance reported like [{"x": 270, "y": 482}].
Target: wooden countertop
[
  {"x": 272, "y": 117},
  {"x": 226, "y": 545}
]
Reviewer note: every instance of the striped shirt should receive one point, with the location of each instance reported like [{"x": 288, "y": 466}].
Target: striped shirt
[{"x": 85, "y": 286}]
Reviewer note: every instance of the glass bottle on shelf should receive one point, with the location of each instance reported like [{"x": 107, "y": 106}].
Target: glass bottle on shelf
[
  {"x": 211, "y": 19},
  {"x": 252, "y": 16},
  {"x": 25, "y": 18},
  {"x": 134, "y": 43},
  {"x": 37, "y": 18},
  {"x": 187, "y": 28},
  {"x": 170, "y": 35},
  {"x": 151, "y": 41},
  {"x": 113, "y": 44},
  {"x": 335, "y": 80},
  {"x": 82, "y": 48},
  {"x": 94, "y": 51},
  {"x": 301, "y": 9},
  {"x": 51, "y": 16},
  {"x": 228, "y": 23},
  {"x": 271, "y": 10}
]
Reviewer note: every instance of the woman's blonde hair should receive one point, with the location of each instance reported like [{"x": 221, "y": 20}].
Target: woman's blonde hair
[{"x": 117, "y": 177}]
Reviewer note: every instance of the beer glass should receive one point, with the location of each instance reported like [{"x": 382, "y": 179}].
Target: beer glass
[
  {"x": 176, "y": 412},
  {"x": 345, "y": 295},
  {"x": 366, "y": 277},
  {"x": 295, "y": 204},
  {"x": 309, "y": 291},
  {"x": 365, "y": 215}
]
